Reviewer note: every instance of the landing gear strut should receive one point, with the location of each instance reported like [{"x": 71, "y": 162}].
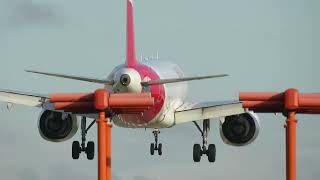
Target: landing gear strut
[
  {"x": 198, "y": 151},
  {"x": 155, "y": 146},
  {"x": 77, "y": 148}
]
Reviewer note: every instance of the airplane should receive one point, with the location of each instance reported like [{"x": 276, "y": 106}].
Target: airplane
[{"x": 167, "y": 85}]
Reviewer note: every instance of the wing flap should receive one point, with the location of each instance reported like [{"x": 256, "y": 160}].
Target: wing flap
[{"x": 207, "y": 110}]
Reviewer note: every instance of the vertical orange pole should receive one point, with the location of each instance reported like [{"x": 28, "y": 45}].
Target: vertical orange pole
[
  {"x": 101, "y": 103},
  {"x": 108, "y": 149},
  {"x": 104, "y": 148},
  {"x": 291, "y": 146}
]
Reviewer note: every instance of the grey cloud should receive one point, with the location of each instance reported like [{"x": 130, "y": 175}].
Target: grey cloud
[{"x": 26, "y": 12}]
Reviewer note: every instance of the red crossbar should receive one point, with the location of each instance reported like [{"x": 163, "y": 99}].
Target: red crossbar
[
  {"x": 276, "y": 102},
  {"x": 86, "y": 102},
  {"x": 89, "y": 97}
]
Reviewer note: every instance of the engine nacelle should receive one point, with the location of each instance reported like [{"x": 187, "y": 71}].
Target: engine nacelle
[
  {"x": 240, "y": 130},
  {"x": 57, "y": 126}
]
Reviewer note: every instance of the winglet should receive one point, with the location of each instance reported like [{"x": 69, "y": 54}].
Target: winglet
[{"x": 131, "y": 54}]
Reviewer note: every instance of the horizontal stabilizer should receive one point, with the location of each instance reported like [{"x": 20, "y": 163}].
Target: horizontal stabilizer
[
  {"x": 167, "y": 81},
  {"x": 79, "y": 78}
]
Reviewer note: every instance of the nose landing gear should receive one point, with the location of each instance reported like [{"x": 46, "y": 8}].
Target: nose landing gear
[
  {"x": 77, "y": 149},
  {"x": 155, "y": 146},
  {"x": 198, "y": 151}
]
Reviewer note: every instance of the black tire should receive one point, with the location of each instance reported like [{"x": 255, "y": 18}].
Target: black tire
[
  {"x": 160, "y": 149},
  {"x": 152, "y": 149},
  {"x": 211, "y": 153},
  {"x": 90, "y": 150},
  {"x": 76, "y": 150},
  {"x": 196, "y": 153}
]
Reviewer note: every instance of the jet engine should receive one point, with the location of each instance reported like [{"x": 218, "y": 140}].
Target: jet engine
[
  {"x": 240, "y": 130},
  {"x": 57, "y": 126}
]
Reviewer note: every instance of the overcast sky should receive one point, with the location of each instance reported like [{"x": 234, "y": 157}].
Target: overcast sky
[{"x": 265, "y": 45}]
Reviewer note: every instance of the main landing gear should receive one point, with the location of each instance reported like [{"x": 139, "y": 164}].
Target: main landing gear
[
  {"x": 77, "y": 148},
  {"x": 155, "y": 146},
  {"x": 198, "y": 151}
]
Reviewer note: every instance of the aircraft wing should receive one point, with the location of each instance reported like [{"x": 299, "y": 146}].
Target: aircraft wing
[
  {"x": 31, "y": 99},
  {"x": 23, "y": 98},
  {"x": 207, "y": 110}
]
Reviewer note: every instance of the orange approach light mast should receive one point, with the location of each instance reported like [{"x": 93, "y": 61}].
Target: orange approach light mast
[
  {"x": 102, "y": 101},
  {"x": 290, "y": 103}
]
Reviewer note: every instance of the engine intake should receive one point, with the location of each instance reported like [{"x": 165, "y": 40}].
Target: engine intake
[
  {"x": 240, "y": 130},
  {"x": 57, "y": 126}
]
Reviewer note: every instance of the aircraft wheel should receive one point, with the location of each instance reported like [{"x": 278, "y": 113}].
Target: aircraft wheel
[
  {"x": 160, "y": 149},
  {"x": 152, "y": 148},
  {"x": 76, "y": 150},
  {"x": 196, "y": 153},
  {"x": 211, "y": 153},
  {"x": 90, "y": 150}
]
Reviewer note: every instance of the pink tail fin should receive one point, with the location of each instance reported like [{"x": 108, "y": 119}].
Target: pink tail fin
[{"x": 131, "y": 54}]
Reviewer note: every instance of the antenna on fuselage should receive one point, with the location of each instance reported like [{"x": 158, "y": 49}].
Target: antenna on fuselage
[
  {"x": 157, "y": 58},
  {"x": 152, "y": 57}
]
